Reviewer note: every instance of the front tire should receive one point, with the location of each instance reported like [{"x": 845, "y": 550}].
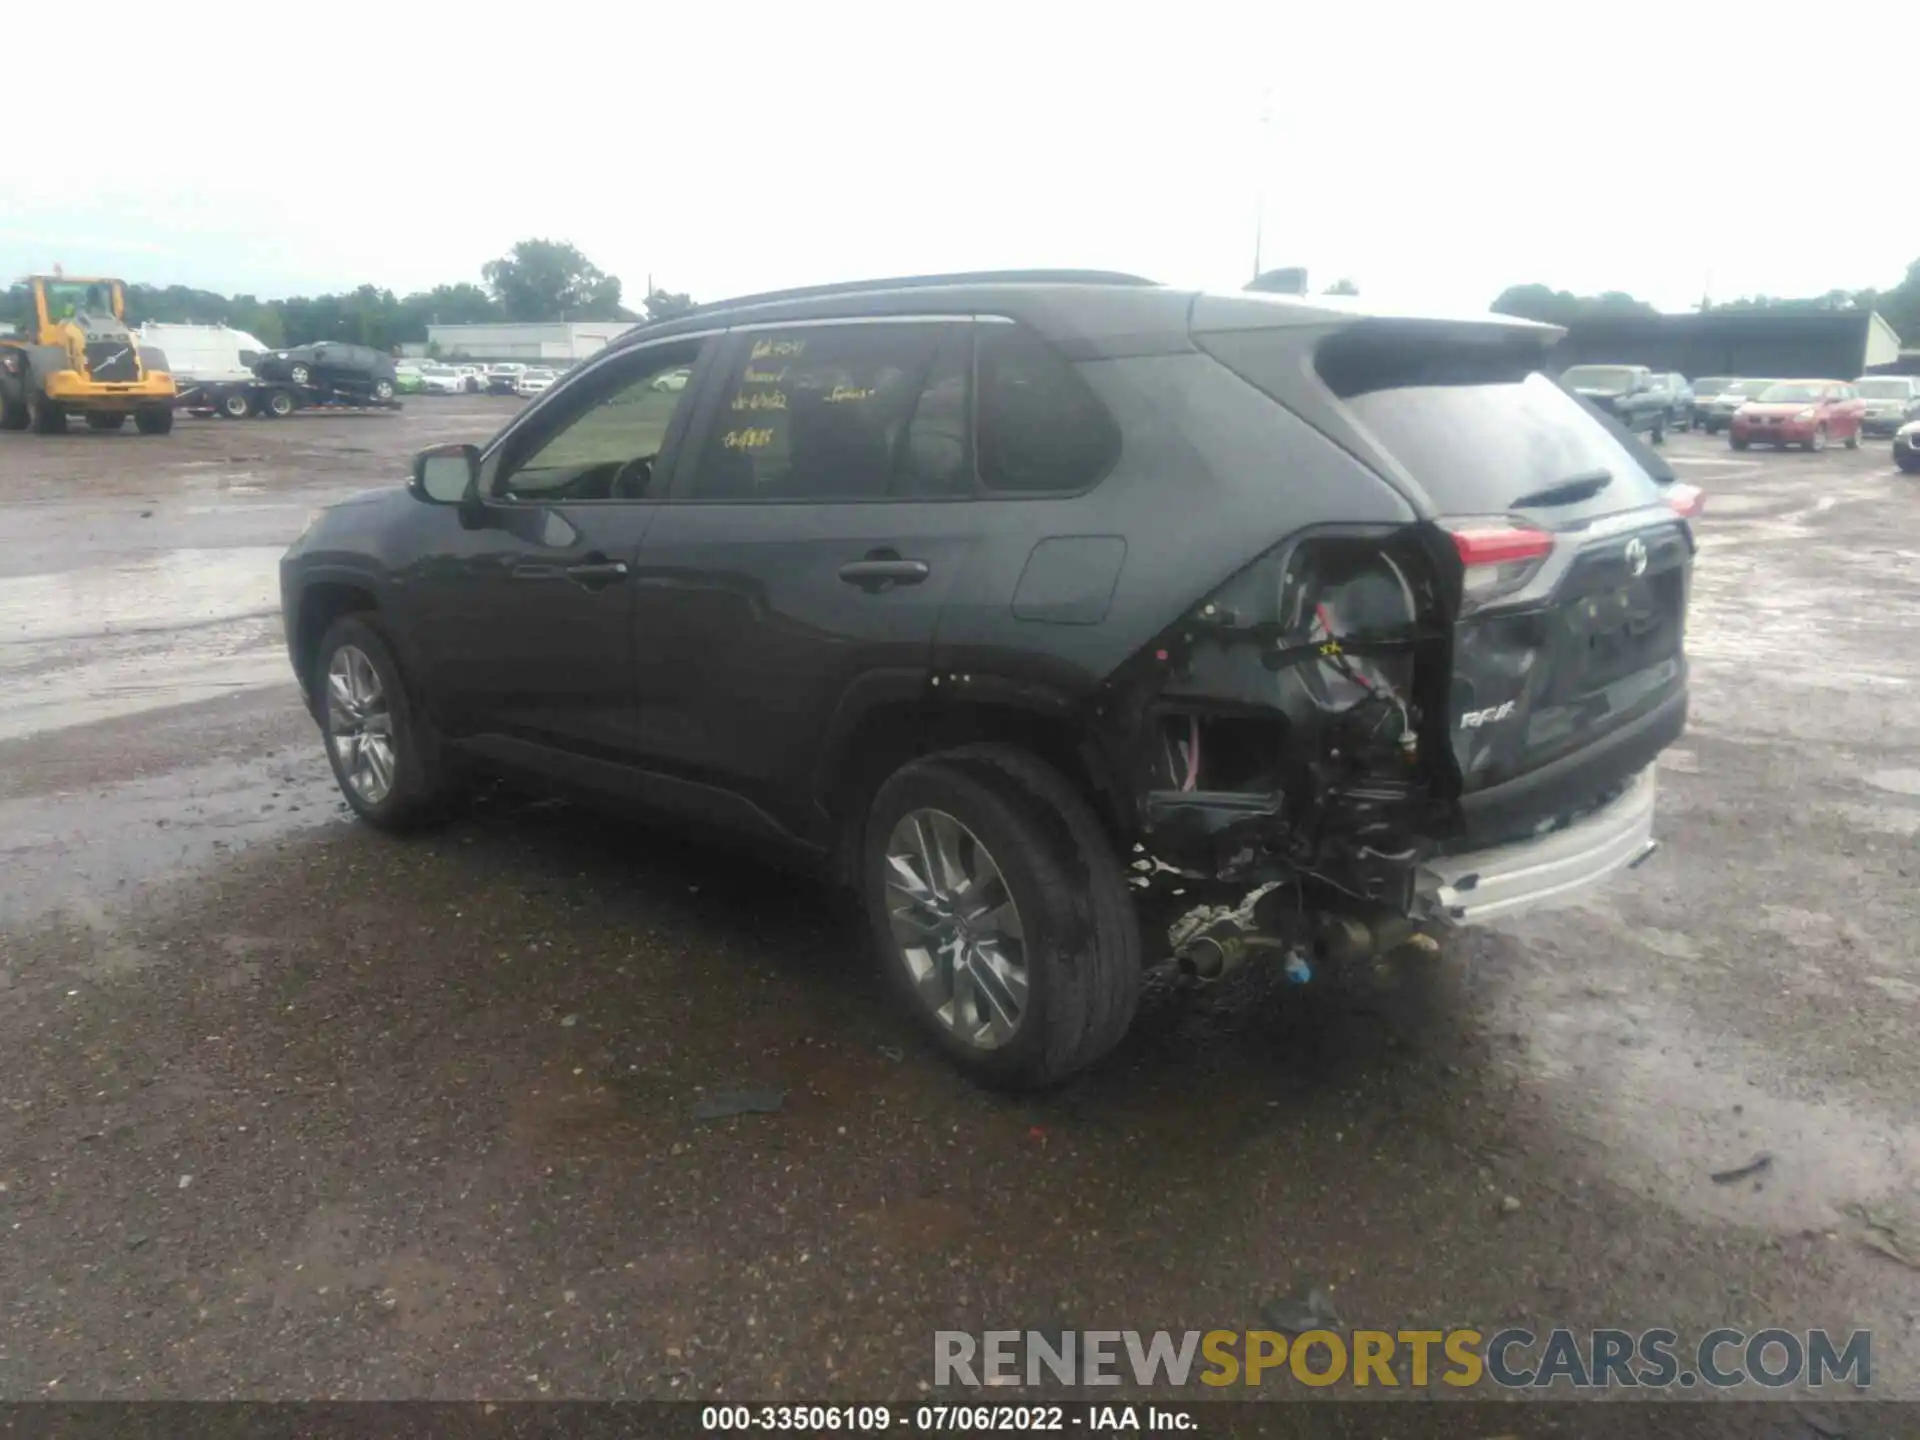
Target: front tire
[
  {"x": 1737, "y": 442},
  {"x": 1852, "y": 441},
  {"x": 386, "y": 756},
  {"x": 1909, "y": 465},
  {"x": 155, "y": 420},
  {"x": 1001, "y": 914},
  {"x": 279, "y": 404},
  {"x": 1819, "y": 440},
  {"x": 48, "y": 416},
  {"x": 1658, "y": 435},
  {"x": 383, "y": 390}
]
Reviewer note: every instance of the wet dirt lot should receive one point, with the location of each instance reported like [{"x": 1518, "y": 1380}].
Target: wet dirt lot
[{"x": 291, "y": 1109}]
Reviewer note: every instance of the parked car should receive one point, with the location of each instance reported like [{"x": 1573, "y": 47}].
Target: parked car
[
  {"x": 1704, "y": 390},
  {"x": 407, "y": 378},
  {"x": 443, "y": 380},
  {"x": 502, "y": 378},
  {"x": 1799, "y": 412},
  {"x": 474, "y": 376},
  {"x": 1626, "y": 392},
  {"x": 1678, "y": 394},
  {"x": 1003, "y": 718},
  {"x": 672, "y": 380},
  {"x": 332, "y": 365},
  {"x": 1892, "y": 400},
  {"x": 1715, "y": 411},
  {"x": 1906, "y": 447},
  {"x": 534, "y": 381}
]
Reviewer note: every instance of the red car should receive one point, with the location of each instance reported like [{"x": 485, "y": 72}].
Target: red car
[{"x": 1800, "y": 412}]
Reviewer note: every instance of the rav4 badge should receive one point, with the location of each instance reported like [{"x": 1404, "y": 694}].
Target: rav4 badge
[{"x": 1474, "y": 719}]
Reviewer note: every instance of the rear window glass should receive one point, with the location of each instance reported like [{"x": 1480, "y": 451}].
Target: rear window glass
[{"x": 1481, "y": 431}]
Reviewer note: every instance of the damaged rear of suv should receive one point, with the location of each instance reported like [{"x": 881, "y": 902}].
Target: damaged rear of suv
[{"x": 1078, "y": 623}]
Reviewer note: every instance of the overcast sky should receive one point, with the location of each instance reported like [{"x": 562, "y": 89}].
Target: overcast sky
[{"x": 1435, "y": 153}]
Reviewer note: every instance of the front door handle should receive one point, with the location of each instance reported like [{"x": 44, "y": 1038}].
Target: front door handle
[
  {"x": 874, "y": 574},
  {"x": 593, "y": 573}
]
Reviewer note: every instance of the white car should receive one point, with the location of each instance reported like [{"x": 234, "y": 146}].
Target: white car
[
  {"x": 442, "y": 380},
  {"x": 504, "y": 378},
  {"x": 475, "y": 376},
  {"x": 533, "y": 382},
  {"x": 672, "y": 380}
]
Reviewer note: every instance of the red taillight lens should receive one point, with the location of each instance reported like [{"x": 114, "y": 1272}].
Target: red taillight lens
[
  {"x": 1498, "y": 557},
  {"x": 1687, "y": 500}
]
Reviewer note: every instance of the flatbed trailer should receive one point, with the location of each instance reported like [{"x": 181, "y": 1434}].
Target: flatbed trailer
[{"x": 271, "y": 399}]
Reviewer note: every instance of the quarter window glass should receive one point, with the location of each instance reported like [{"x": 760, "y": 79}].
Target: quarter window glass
[
  {"x": 1040, "y": 428},
  {"x": 609, "y": 450},
  {"x": 840, "y": 412}
]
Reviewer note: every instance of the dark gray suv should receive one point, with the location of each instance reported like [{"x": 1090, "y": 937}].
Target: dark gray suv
[{"x": 1056, "y": 614}]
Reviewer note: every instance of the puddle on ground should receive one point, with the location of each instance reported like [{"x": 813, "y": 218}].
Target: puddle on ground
[
  {"x": 169, "y": 591},
  {"x": 1898, "y": 782},
  {"x": 86, "y": 852}
]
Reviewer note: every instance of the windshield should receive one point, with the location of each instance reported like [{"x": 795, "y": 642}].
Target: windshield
[
  {"x": 1749, "y": 387},
  {"x": 1884, "y": 389},
  {"x": 1791, "y": 394},
  {"x": 78, "y": 297},
  {"x": 1599, "y": 377},
  {"x": 1712, "y": 385}
]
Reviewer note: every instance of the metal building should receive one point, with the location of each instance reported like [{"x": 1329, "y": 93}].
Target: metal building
[
  {"x": 1828, "y": 344},
  {"x": 563, "y": 341}
]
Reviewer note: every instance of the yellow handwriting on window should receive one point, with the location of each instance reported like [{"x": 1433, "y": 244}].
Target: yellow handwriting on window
[
  {"x": 763, "y": 377},
  {"x": 760, "y": 400},
  {"x": 845, "y": 394},
  {"x": 747, "y": 439},
  {"x": 764, "y": 349}
]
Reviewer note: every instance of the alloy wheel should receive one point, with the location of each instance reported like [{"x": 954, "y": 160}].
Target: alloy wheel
[
  {"x": 360, "y": 725},
  {"x": 956, "y": 928}
]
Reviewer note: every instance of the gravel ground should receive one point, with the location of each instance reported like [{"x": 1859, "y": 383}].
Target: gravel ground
[{"x": 289, "y": 1109}]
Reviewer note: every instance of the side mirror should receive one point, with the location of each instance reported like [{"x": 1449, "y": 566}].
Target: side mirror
[{"x": 446, "y": 474}]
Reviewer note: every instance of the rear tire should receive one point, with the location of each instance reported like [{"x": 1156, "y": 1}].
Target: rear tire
[
  {"x": 98, "y": 421},
  {"x": 1909, "y": 465},
  {"x": 1074, "y": 923},
  {"x": 14, "y": 414},
  {"x": 1658, "y": 435},
  {"x": 300, "y": 374},
  {"x": 1737, "y": 442},
  {"x": 279, "y": 404},
  {"x": 49, "y": 417},
  {"x": 236, "y": 405},
  {"x": 1852, "y": 441},
  {"x": 420, "y": 784},
  {"x": 154, "y": 420},
  {"x": 383, "y": 390}
]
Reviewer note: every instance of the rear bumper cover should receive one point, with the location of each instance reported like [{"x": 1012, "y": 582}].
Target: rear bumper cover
[{"x": 1551, "y": 870}]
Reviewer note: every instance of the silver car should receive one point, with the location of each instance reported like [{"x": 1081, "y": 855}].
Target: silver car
[{"x": 1892, "y": 400}]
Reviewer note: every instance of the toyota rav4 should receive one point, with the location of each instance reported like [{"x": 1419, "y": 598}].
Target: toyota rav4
[{"x": 1075, "y": 622}]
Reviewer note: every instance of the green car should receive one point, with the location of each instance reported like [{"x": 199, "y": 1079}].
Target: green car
[{"x": 407, "y": 379}]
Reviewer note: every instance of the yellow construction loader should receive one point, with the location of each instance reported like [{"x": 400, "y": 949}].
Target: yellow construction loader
[{"x": 78, "y": 357}]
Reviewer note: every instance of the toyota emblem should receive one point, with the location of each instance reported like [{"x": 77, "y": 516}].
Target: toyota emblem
[{"x": 1636, "y": 554}]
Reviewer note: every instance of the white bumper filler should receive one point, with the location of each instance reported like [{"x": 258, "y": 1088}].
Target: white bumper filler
[{"x": 1550, "y": 871}]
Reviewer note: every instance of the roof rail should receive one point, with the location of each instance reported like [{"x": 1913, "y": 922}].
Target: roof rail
[{"x": 911, "y": 282}]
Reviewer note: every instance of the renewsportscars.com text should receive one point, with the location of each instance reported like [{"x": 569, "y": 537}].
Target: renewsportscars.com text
[{"x": 1386, "y": 1359}]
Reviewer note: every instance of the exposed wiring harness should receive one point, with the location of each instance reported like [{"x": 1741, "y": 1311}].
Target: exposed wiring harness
[{"x": 1332, "y": 653}]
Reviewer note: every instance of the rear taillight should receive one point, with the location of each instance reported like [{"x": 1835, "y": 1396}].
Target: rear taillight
[
  {"x": 1687, "y": 500},
  {"x": 1498, "y": 557}
]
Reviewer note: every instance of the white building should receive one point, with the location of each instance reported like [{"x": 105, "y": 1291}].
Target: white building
[{"x": 561, "y": 340}]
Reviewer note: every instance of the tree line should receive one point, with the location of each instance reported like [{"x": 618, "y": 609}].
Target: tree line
[
  {"x": 1898, "y": 306},
  {"x": 537, "y": 280}
]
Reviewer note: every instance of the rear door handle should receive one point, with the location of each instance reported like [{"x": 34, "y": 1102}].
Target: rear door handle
[{"x": 878, "y": 574}]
